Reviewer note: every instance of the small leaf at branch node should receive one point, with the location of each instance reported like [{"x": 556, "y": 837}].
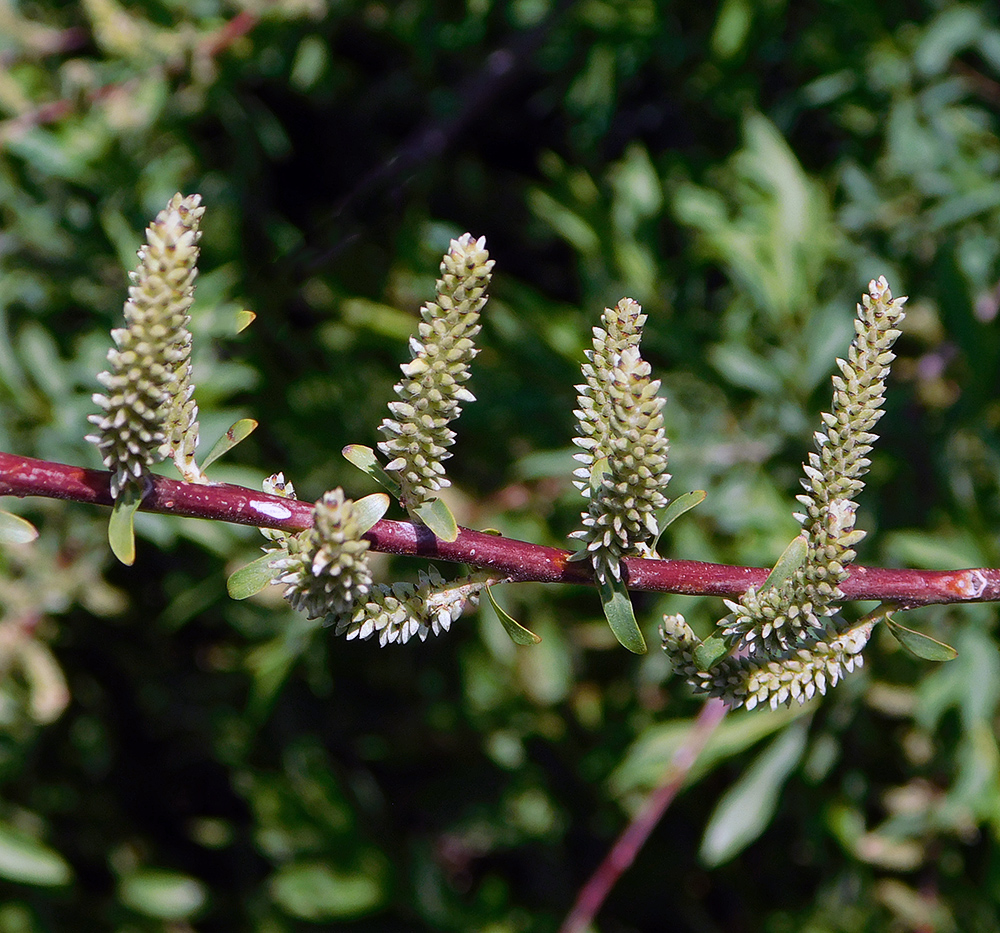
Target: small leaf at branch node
[
  {"x": 436, "y": 515},
  {"x": 121, "y": 527},
  {"x": 238, "y": 432},
  {"x": 618, "y": 611},
  {"x": 251, "y": 579},
  {"x": 517, "y": 632},
  {"x": 923, "y": 646},
  {"x": 365, "y": 460}
]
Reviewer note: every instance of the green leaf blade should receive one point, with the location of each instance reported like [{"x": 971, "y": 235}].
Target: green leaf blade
[
  {"x": 251, "y": 579},
  {"x": 517, "y": 632},
  {"x": 618, "y": 611},
  {"x": 238, "y": 432}
]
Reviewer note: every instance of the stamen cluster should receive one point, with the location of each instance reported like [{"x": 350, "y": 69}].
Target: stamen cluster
[
  {"x": 148, "y": 412},
  {"x": 417, "y": 436}
]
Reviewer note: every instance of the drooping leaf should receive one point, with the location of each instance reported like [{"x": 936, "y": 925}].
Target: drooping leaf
[
  {"x": 923, "y": 646},
  {"x": 618, "y": 611},
  {"x": 365, "y": 460},
  {"x": 238, "y": 432},
  {"x": 436, "y": 515},
  {"x": 16, "y": 530},
  {"x": 370, "y": 509},
  {"x": 747, "y": 808},
  {"x": 121, "y": 526},
  {"x": 251, "y": 579},
  {"x": 517, "y": 632}
]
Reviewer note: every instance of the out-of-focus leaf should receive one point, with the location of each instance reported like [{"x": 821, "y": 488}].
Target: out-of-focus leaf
[
  {"x": 316, "y": 891},
  {"x": 27, "y": 861},
  {"x": 747, "y": 808},
  {"x": 651, "y": 753},
  {"x": 165, "y": 895},
  {"x": 16, "y": 530}
]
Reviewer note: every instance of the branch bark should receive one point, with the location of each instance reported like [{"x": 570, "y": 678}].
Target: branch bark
[{"x": 520, "y": 561}]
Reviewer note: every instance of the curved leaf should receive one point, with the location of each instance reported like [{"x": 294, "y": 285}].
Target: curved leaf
[
  {"x": 437, "y": 516},
  {"x": 365, "y": 460},
  {"x": 923, "y": 646},
  {"x": 252, "y": 578},
  {"x": 517, "y": 632},
  {"x": 16, "y": 530},
  {"x": 370, "y": 510},
  {"x": 238, "y": 432},
  {"x": 618, "y": 611}
]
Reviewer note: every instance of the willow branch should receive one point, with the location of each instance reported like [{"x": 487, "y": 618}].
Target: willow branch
[{"x": 519, "y": 561}]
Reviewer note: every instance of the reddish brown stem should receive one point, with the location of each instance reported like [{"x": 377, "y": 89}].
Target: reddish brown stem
[
  {"x": 518, "y": 560},
  {"x": 621, "y": 855}
]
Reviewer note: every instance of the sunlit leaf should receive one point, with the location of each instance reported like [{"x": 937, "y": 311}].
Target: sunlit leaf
[
  {"x": 244, "y": 319},
  {"x": 370, "y": 509},
  {"x": 16, "y": 530},
  {"x": 365, "y": 460},
  {"x": 238, "y": 432},
  {"x": 436, "y": 515},
  {"x": 121, "y": 526}
]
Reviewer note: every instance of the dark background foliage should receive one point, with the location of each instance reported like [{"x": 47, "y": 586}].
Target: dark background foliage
[{"x": 171, "y": 759}]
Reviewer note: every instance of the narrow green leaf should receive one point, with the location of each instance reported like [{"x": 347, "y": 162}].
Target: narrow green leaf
[
  {"x": 748, "y": 806},
  {"x": 365, "y": 460},
  {"x": 618, "y": 611},
  {"x": 793, "y": 558},
  {"x": 121, "y": 527},
  {"x": 517, "y": 632},
  {"x": 244, "y": 319},
  {"x": 252, "y": 578},
  {"x": 437, "y": 516},
  {"x": 923, "y": 646},
  {"x": 238, "y": 432},
  {"x": 371, "y": 509},
  {"x": 16, "y": 530},
  {"x": 675, "y": 510},
  {"x": 709, "y": 651}
]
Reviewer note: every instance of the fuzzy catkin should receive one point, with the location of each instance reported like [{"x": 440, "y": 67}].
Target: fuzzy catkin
[
  {"x": 325, "y": 571},
  {"x": 148, "y": 409},
  {"x": 417, "y": 436},
  {"x": 621, "y": 434}
]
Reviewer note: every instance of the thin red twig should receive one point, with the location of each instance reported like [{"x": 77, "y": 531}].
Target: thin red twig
[
  {"x": 621, "y": 855},
  {"x": 518, "y": 560}
]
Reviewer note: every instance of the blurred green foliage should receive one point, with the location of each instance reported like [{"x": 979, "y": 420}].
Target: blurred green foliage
[{"x": 171, "y": 759}]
